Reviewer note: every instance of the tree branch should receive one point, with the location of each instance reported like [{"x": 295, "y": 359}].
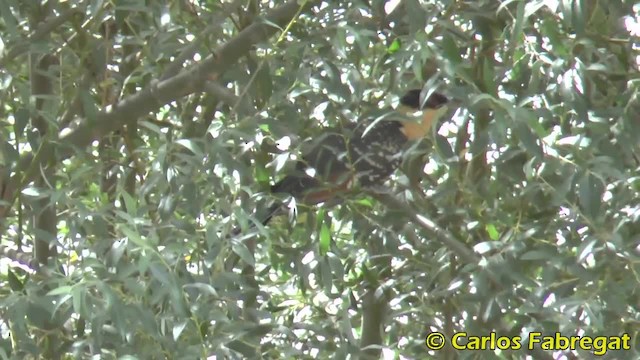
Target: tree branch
[
  {"x": 153, "y": 97},
  {"x": 443, "y": 236},
  {"x": 192, "y": 48},
  {"x": 39, "y": 33},
  {"x": 223, "y": 94}
]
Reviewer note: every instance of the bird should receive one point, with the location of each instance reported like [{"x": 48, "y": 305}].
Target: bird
[{"x": 364, "y": 154}]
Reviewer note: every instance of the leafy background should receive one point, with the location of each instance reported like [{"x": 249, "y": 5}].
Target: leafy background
[{"x": 138, "y": 136}]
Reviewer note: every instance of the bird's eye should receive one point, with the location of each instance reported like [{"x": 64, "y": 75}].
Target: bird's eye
[{"x": 436, "y": 101}]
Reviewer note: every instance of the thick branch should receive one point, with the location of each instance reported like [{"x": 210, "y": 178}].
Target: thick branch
[
  {"x": 45, "y": 218},
  {"x": 180, "y": 85},
  {"x": 239, "y": 104},
  {"x": 153, "y": 97},
  {"x": 375, "y": 307}
]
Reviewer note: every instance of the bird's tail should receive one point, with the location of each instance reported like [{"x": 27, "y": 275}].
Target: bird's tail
[
  {"x": 264, "y": 218},
  {"x": 273, "y": 210}
]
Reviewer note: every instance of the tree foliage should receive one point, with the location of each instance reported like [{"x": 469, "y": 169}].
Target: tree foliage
[{"x": 139, "y": 140}]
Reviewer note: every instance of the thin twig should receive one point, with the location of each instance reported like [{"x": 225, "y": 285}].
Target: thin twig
[
  {"x": 441, "y": 234},
  {"x": 188, "y": 52},
  {"x": 39, "y": 33}
]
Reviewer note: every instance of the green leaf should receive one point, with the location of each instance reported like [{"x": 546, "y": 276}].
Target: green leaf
[
  {"x": 529, "y": 140},
  {"x": 450, "y": 50},
  {"x": 191, "y": 145},
  {"x": 262, "y": 175},
  {"x": 394, "y": 47},
  {"x": 79, "y": 300},
  {"x": 89, "y": 106},
  {"x": 62, "y": 290},
  {"x": 203, "y": 288},
  {"x": 560, "y": 43},
  {"x": 264, "y": 20},
  {"x": 167, "y": 206},
  {"x": 492, "y": 231},
  {"x": 326, "y": 276},
  {"x": 263, "y": 84},
  {"x": 211, "y": 235},
  {"x": 443, "y": 147},
  {"x": 560, "y": 191},
  {"x": 586, "y": 248},
  {"x": 590, "y": 194},
  {"x": 34, "y": 192},
  {"x": 488, "y": 76},
  {"x": 38, "y": 315},
  {"x": 14, "y": 282},
  {"x": 134, "y": 236},
  {"x": 517, "y": 34},
  {"x": 337, "y": 268},
  {"x": 243, "y": 252},
  {"x": 130, "y": 203},
  {"x": 178, "y": 328},
  {"x": 479, "y": 144},
  {"x": 21, "y": 121},
  {"x": 538, "y": 255},
  {"x": 532, "y": 7},
  {"x": 578, "y": 19},
  {"x": 10, "y": 21},
  {"x": 161, "y": 274},
  {"x": 325, "y": 238},
  {"x": 365, "y": 201}
]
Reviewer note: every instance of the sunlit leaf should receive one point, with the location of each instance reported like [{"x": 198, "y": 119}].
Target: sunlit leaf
[
  {"x": 492, "y": 231},
  {"x": 133, "y": 200},
  {"x": 394, "y": 47},
  {"x": 325, "y": 238}
]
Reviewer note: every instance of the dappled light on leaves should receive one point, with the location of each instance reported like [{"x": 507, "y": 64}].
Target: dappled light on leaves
[{"x": 140, "y": 141}]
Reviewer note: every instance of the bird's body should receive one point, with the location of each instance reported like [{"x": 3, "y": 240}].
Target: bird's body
[
  {"x": 340, "y": 160},
  {"x": 364, "y": 154}
]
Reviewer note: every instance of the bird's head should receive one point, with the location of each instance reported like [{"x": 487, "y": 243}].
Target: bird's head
[
  {"x": 412, "y": 100},
  {"x": 428, "y": 111}
]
